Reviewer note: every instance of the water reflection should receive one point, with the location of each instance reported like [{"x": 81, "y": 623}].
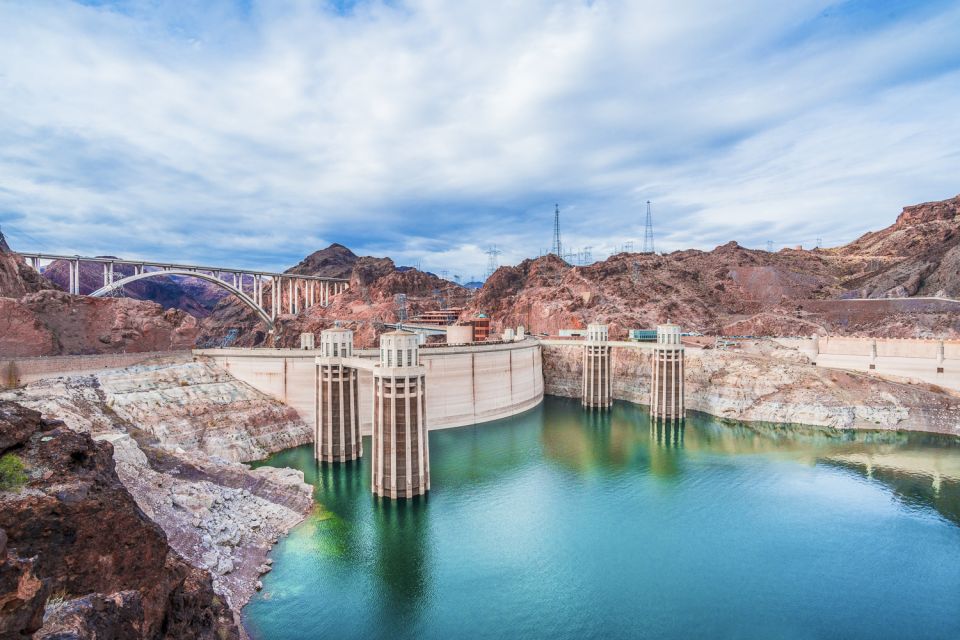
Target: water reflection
[
  {"x": 593, "y": 441},
  {"x": 921, "y": 469},
  {"x": 401, "y": 538},
  {"x": 508, "y": 534},
  {"x": 667, "y": 433}
]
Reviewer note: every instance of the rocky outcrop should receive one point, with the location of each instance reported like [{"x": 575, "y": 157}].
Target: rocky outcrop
[
  {"x": 125, "y": 584},
  {"x": 732, "y": 289},
  {"x": 701, "y": 290},
  {"x": 56, "y": 323},
  {"x": 16, "y": 278},
  {"x": 197, "y": 405},
  {"x": 754, "y": 388},
  {"x": 336, "y": 261},
  {"x": 770, "y": 384},
  {"x": 177, "y": 429},
  {"x": 919, "y": 255}
]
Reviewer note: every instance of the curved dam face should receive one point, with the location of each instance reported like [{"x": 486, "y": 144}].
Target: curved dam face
[{"x": 466, "y": 384}]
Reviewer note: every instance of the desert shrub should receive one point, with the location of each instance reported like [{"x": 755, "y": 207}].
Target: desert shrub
[{"x": 13, "y": 474}]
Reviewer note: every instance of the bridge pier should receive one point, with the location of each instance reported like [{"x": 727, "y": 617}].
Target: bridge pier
[
  {"x": 274, "y": 295},
  {"x": 74, "y": 279}
]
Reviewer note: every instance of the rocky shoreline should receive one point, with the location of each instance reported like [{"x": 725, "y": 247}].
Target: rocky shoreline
[{"x": 178, "y": 433}]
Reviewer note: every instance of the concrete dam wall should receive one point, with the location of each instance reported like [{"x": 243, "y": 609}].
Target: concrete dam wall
[{"x": 464, "y": 384}]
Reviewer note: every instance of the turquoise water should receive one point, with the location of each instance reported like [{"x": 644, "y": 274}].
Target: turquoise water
[{"x": 560, "y": 524}]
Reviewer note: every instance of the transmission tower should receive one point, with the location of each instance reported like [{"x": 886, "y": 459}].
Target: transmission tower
[
  {"x": 400, "y": 301},
  {"x": 492, "y": 254},
  {"x": 648, "y": 232},
  {"x": 557, "y": 246}
]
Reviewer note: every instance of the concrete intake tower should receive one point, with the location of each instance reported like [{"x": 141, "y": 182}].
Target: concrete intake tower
[
  {"x": 666, "y": 379},
  {"x": 597, "y": 386},
  {"x": 337, "y": 399},
  {"x": 401, "y": 451}
]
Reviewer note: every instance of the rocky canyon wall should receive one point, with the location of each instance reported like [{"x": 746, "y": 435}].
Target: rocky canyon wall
[
  {"x": 79, "y": 558},
  {"x": 178, "y": 429}
]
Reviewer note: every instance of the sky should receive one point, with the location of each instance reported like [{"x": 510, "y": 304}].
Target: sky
[{"x": 251, "y": 133}]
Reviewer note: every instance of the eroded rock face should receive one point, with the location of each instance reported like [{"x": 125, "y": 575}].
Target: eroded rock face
[
  {"x": 56, "y": 323},
  {"x": 176, "y": 429},
  {"x": 197, "y": 405},
  {"x": 89, "y": 541}
]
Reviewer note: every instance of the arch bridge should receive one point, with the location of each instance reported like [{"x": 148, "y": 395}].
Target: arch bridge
[{"x": 269, "y": 294}]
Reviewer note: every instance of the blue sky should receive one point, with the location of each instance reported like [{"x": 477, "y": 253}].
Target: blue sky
[{"x": 251, "y": 133}]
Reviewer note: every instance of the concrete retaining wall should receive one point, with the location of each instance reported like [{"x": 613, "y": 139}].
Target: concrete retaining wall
[
  {"x": 19, "y": 371},
  {"x": 465, "y": 384},
  {"x": 896, "y": 357}
]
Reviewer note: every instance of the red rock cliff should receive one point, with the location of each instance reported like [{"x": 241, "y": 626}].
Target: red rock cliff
[{"x": 75, "y": 533}]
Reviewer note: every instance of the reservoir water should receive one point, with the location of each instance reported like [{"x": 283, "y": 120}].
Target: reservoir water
[{"x": 562, "y": 524}]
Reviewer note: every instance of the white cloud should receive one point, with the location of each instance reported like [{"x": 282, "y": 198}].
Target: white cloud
[{"x": 429, "y": 130}]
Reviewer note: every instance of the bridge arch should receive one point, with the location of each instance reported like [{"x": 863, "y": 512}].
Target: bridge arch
[{"x": 247, "y": 300}]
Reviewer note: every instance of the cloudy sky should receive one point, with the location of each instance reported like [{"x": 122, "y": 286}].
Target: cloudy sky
[{"x": 250, "y": 133}]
